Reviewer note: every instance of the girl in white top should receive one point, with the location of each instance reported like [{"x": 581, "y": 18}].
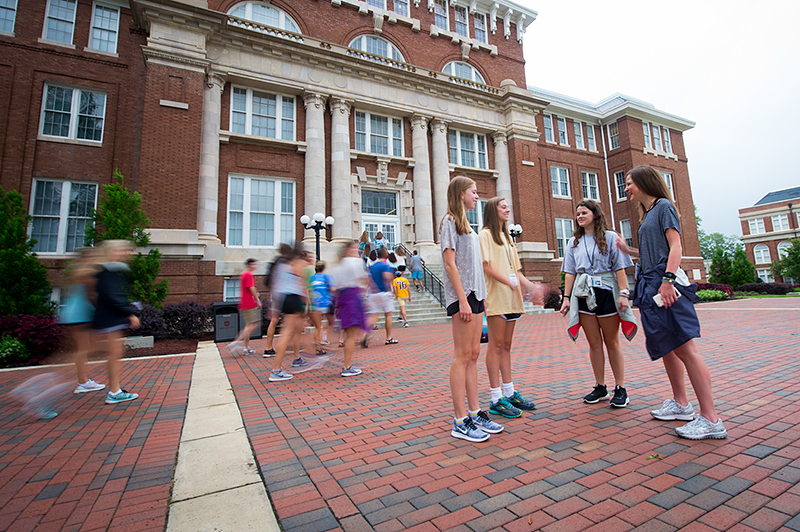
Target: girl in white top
[{"x": 465, "y": 290}]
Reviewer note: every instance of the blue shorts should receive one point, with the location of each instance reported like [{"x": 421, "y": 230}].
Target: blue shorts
[{"x": 416, "y": 275}]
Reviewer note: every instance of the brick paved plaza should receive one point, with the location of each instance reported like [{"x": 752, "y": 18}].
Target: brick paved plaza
[{"x": 375, "y": 453}]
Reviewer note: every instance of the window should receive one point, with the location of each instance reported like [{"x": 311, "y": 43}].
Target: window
[
  {"x": 376, "y": 202},
  {"x": 647, "y": 142},
  {"x": 56, "y": 202},
  {"x": 668, "y": 180},
  {"x": 440, "y": 14},
  {"x": 657, "y": 138},
  {"x": 60, "y": 21},
  {"x": 261, "y": 114},
  {"x": 756, "y": 226},
  {"x": 462, "y": 26},
  {"x": 780, "y": 222},
  {"x": 467, "y": 149},
  {"x": 590, "y": 189},
  {"x": 105, "y": 23},
  {"x": 480, "y": 27},
  {"x": 260, "y": 212},
  {"x": 377, "y": 3},
  {"x": 563, "y": 234},
  {"x": 73, "y": 113},
  {"x": 783, "y": 249},
  {"x": 578, "y": 128},
  {"x": 374, "y": 133},
  {"x": 548, "y": 128},
  {"x": 463, "y": 70},
  {"x": 559, "y": 178},
  {"x": 761, "y": 253},
  {"x": 667, "y": 141},
  {"x": 765, "y": 275},
  {"x": 230, "y": 289},
  {"x": 8, "y": 13},
  {"x": 613, "y": 135},
  {"x": 625, "y": 231},
  {"x": 475, "y": 216},
  {"x": 377, "y": 46},
  {"x": 619, "y": 177},
  {"x": 562, "y": 131},
  {"x": 590, "y": 137},
  {"x": 263, "y": 13},
  {"x": 401, "y": 7}
]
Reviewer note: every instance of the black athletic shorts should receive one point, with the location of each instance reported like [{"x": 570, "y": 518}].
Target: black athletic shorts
[
  {"x": 292, "y": 304},
  {"x": 475, "y": 305},
  {"x": 606, "y": 306}
]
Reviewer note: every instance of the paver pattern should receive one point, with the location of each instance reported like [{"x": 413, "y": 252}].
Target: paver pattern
[{"x": 375, "y": 453}]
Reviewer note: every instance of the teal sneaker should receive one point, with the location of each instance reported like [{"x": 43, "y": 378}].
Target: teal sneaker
[
  {"x": 120, "y": 397},
  {"x": 505, "y": 409}
]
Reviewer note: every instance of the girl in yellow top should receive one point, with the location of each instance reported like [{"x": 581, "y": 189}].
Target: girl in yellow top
[{"x": 505, "y": 284}]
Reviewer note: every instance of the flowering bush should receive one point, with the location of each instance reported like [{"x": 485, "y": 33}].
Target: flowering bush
[
  {"x": 727, "y": 289},
  {"x": 711, "y": 295},
  {"x": 186, "y": 320},
  {"x": 765, "y": 288},
  {"x": 41, "y": 334},
  {"x": 152, "y": 323},
  {"x": 12, "y": 351}
]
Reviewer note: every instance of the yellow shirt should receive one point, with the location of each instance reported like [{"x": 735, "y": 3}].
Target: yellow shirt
[
  {"x": 401, "y": 286},
  {"x": 500, "y": 298}
]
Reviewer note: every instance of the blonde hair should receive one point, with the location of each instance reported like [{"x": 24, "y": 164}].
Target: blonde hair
[
  {"x": 493, "y": 223},
  {"x": 455, "y": 204},
  {"x": 107, "y": 247}
]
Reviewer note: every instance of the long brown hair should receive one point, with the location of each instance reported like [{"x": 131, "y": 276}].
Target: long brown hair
[
  {"x": 599, "y": 225},
  {"x": 455, "y": 205},
  {"x": 649, "y": 180},
  {"x": 492, "y": 222}
]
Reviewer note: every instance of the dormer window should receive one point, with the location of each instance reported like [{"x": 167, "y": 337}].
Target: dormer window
[
  {"x": 463, "y": 70},
  {"x": 377, "y": 46},
  {"x": 263, "y": 13}
]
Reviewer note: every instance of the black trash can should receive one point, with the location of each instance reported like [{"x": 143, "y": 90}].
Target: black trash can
[{"x": 227, "y": 323}]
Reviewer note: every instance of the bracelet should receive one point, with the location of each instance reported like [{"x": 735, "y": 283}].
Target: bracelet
[
  {"x": 667, "y": 280},
  {"x": 567, "y": 296},
  {"x": 625, "y": 292},
  {"x": 670, "y": 275}
]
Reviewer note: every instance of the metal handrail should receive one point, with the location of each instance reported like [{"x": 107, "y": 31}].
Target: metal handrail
[{"x": 430, "y": 281}]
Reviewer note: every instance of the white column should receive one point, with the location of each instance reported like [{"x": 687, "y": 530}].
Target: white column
[
  {"x": 441, "y": 169},
  {"x": 423, "y": 205},
  {"x": 503, "y": 170},
  {"x": 341, "y": 200},
  {"x": 315, "y": 158},
  {"x": 208, "y": 178}
]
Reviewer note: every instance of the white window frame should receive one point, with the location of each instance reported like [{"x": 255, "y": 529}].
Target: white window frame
[
  {"x": 63, "y": 214},
  {"x": 94, "y": 27},
  {"x": 563, "y": 137},
  {"x": 440, "y": 11},
  {"x": 647, "y": 141},
  {"x": 74, "y": 113},
  {"x": 230, "y": 290},
  {"x": 667, "y": 141},
  {"x": 756, "y": 226},
  {"x": 782, "y": 222},
  {"x": 619, "y": 179},
  {"x": 783, "y": 248},
  {"x": 761, "y": 254},
  {"x": 480, "y": 29},
  {"x": 277, "y": 212},
  {"x": 564, "y": 225},
  {"x": 765, "y": 274},
  {"x": 578, "y": 129},
  {"x": 590, "y": 138},
  {"x": 48, "y": 17},
  {"x": 657, "y": 138},
  {"x": 613, "y": 136},
  {"x": 476, "y": 218},
  {"x": 667, "y": 177},
  {"x": 548, "y": 128},
  {"x": 401, "y": 7},
  {"x": 458, "y": 152},
  {"x": 592, "y": 189},
  {"x": 377, "y": 3},
  {"x": 13, "y": 18},
  {"x": 626, "y": 232},
  {"x": 285, "y": 21},
  {"x": 395, "y": 145},
  {"x": 461, "y": 18},
  {"x": 280, "y": 119},
  {"x": 559, "y": 180},
  {"x": 475, "y": 75},
  {"x": 392, "y": 52}
]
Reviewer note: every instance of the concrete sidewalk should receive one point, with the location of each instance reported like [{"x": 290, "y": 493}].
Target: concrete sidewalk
[{"x": 374, "y": 452}]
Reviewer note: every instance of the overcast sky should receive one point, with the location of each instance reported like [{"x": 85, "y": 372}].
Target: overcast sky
[{"x": 732, "y": 67}]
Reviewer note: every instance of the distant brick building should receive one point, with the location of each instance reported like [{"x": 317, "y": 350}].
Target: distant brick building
[
  {"x": 767, "y": 228},
  {"x": 234, "y": 118}
]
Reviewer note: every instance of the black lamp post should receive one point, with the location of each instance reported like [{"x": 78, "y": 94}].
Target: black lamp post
[
  {"x": 320, "y": 223},
  {"x": 515, "y": 231}
]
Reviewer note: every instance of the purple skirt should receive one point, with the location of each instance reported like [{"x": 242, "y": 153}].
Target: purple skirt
[{"x": 350, "y": 308}]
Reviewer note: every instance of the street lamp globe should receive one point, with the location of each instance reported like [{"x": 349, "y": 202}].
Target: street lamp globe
[
  {"x": 318, "y": 217},
  {"x": 329, "y": 220},
  {"x": 305, "y": 219}
]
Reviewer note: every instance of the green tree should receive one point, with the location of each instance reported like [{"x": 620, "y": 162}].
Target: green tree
[
  {"x": 788, "y": 266},
  {"x": 743, "y": 270},
  {"x": 24, "y": 288},
  {"x": 119, "y": 217},
  {"x": 721, "y": 267}
]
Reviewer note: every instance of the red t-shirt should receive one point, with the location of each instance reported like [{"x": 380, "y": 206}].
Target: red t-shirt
[{"x": 247, "y": 301}]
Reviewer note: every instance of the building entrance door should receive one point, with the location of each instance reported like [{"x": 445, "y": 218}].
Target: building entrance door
[{"x": 379, "y": 214}]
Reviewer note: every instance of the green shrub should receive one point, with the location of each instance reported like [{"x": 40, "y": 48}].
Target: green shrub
[
  {"x": 711, "y": 295},
  {"x": 12, "y": 351}
]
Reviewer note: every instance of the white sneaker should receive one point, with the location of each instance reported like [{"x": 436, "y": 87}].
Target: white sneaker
[
  {"x": 89, "y": 386},
  {"x": 701, "y": 428},
  {"x": 280, "y": 375},
  {"x": 249, "y": 351},
  {"x": 672, "y": 410}
]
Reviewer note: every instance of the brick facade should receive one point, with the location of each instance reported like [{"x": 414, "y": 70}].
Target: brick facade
[{"x": 780, "y": 207}]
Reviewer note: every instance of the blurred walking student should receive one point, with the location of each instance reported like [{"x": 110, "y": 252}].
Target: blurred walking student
[
  {"x": 416, "y": 264},
  {"x": 666, "y": 298},
  {"x": 380, "y": 242},
  {"x": 363, "y": 244},
  {"x": 465, "y": 291},
  {"x": 350, "y": 278},
  {"x": 402, "y": 293},
  {"x": 505, "y": 284},
  {"x": 400, "y": 255},
  {"x": 113, "y": 313},
  {"x": 249, "y": 309},
  {"x": 273, "y": 311},
  {"x": 596, "y": 298},
  {"x": 322, "y": 301},
  {"x": 380, "y": 293},
  {"x": 294, "y": 306},
  {"x": 78, "y": 313}
]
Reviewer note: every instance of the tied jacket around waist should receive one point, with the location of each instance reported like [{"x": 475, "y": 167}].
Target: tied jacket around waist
[
  {"x": 583, "y": 288},
  {"x": 113, "y": 308}
]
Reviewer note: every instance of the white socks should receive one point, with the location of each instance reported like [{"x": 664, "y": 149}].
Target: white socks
[
  {"x": 497, "y": 394},
  {"x": 508, "y": 389}
]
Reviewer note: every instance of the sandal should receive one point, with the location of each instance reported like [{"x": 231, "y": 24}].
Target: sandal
[
  {"x": 341, "y": 344},
  {"x": 391, "y": 341},
  {"x": 321, "y": 352}
]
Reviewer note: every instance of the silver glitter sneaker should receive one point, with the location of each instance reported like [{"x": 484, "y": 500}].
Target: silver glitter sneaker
[
  {"x": 701, "y": 429},
  {"x": 671, "y": 410}
]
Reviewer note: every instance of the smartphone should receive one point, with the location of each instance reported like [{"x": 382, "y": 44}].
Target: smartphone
[{"x": 660, "y": 302}]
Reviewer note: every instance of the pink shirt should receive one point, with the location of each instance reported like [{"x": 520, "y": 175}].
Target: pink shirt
[{"x": 247, "y": 301}]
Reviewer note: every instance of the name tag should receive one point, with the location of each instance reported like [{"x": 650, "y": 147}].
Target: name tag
[{"x": 595, "y": 281}]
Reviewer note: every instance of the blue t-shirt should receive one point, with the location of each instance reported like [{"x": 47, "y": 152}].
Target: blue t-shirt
[
  {"x": 376, "y": 272},
  {"x": 321, "y": 286}
]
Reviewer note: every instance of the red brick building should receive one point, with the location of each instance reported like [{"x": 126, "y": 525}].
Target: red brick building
[
  {"x": 767, "y": 228},
  {"x": 234, "y": 118}
]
